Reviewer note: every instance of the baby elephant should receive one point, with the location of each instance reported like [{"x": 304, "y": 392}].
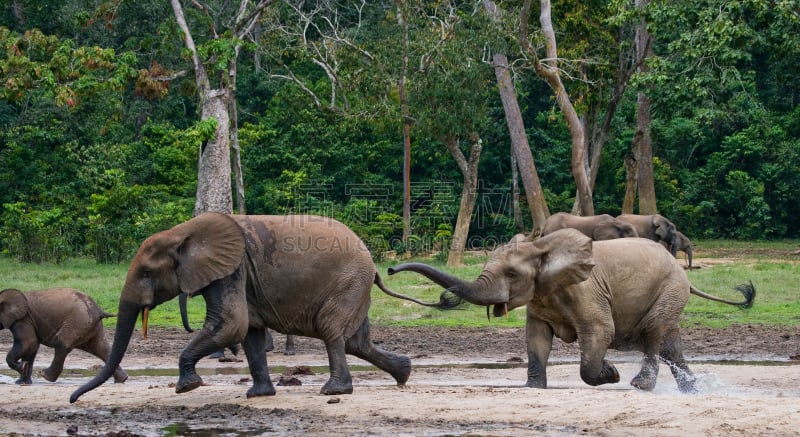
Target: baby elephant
[{"x": 61, "y": 318}]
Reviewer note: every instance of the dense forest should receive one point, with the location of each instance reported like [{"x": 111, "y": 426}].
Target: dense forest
[{"x": 103, "y": 123}]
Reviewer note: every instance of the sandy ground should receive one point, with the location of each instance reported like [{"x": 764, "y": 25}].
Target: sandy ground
[{"x": 464, "y": 382}]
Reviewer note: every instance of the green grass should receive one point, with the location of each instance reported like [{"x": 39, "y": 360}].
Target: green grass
[{"x": 769, "y": 265}]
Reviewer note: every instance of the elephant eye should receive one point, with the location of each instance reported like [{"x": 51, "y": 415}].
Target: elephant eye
[{"x": 510, "y": 274}]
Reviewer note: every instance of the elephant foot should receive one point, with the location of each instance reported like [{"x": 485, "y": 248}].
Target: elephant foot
[
  {"x": 332, "y": 388},
  {"x": 265, "y": 389},
  {"x": 48, "y": 375},
  {"x": 289, "y": 351},
  {"x": 218, "y": 354},
  {"x": 608, "y": 375},
  {"x": 536, "y": 383},
  {"x": 188, "y": 383},
  {"x": 120, "y": 376},
  {"x": 24, "y": 381},
  {"x": 687, "y": 384},
  {"x": 644, "y": 382},
  {"x": 402, "y": 371}
]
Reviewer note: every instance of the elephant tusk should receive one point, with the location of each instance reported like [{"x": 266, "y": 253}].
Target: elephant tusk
[
  {"x": 505, "y": 310},
  {"x": 145, "y": 315}
]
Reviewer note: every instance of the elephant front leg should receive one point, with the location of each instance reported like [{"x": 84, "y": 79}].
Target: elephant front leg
[
  {"x": 539, "y": 339},
  {"x": 595, "y": 370},
  {"x": 20, "y": 358},
  {"x": 254, "y": 345}
]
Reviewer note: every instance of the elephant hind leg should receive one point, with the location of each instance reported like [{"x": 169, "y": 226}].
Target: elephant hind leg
[
  {"x": 57, "y": 365},
  {"x": 672, "y": 354},
  {"x": 340, "y": 382},
  {"x": 361, "y": 346},
  {"x": 98, "y": 346}
]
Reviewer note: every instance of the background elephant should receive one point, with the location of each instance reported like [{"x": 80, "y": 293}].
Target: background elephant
[
  {"x": 683, "y": 244},
  {"x": 623, "y": 294},
  {"x": 654, "y": 227},
  {"x": 289, "y": 348},
  {"x": 596, "y": 227},
  {"x": 61, "y": 318},
  {"x": 300, "y": 275}
]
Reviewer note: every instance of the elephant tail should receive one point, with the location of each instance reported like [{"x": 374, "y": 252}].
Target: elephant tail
[
  {"x": 443, "y": 300},
  {"x": 747, "y": 290},
  {"x": 105, "y": 315}
]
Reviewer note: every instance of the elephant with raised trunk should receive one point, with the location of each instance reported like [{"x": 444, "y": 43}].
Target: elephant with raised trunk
[
  {"x": 301, "y": 275},
  {"x": 624, "y": 294},
  {"x": 61, "y": 318},
  {"x": 597, "y": 227}
]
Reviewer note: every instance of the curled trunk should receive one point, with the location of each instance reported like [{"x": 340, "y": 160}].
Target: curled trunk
[{"x": 126, "y": 320}]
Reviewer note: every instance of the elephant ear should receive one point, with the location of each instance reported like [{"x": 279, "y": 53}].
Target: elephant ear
[
  {"x": 564, "y": 258},
  {"x": 212, "y": 247},
  {"x": 13, "y": 306}
]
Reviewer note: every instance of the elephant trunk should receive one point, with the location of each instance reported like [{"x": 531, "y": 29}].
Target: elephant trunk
[
  {"x": 689, "y": 256},
  {"x": 184, "y": 316},
  {"x": 478, "y": 292},
  {"x": 126, "y": 321}
]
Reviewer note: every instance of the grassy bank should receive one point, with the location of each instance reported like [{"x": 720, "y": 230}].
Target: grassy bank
[{"x": 771, "y": 266}]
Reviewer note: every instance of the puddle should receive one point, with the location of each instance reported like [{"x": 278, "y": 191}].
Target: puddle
[{"x": 186, "y": 430}]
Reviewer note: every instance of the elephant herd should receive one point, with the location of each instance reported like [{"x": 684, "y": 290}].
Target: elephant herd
[{"x": 581, "y": 280}]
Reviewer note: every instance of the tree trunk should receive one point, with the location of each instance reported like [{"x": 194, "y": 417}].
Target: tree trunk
[
  {"x": 519, "y": 225},
  {"x": 236, "y": 160},
  {"x": 469, "y": 191},
  {"x": 549, "y": 71},
  {"x": 519, "y": 138},
  {"x": 642, "y": 143},
  {"x": 631, "y": 175},
  {"x": 401, "y": 89},
  {"x": 214, "y": 167}
]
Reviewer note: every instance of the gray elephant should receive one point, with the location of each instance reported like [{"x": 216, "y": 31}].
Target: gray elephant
[
  {"x": 300, "y": 275},
  {"x": 289, "y": 348},
  {"x": 597, "y": 227},
  {"x": 654, "y": 227},
  {"x": 683, "y": 244},
  {"x": 61, "y": 318},
  {"x": 624, "y": 294}
]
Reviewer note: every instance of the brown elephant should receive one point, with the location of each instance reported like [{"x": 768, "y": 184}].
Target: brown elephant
[
  {"x": 61, "y": 318},
  {"x": 597, "y": 227},
  {"x": 654, "y": 227},
  {"x": 299, "y": 275},
  {"x": 623, "y": 294}
]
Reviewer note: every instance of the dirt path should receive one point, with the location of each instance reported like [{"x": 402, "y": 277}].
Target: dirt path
[{"x": 464, "y": 382}]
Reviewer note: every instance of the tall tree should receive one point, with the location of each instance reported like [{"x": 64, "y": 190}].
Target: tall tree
[
  {"x": 642, "y": 143},
  {"x": 516, "y": 128},
  {"x": 214, "y": 191},
  {"x": 549, "y": 70}
]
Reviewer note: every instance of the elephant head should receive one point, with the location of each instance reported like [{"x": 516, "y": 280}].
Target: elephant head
[
  {"x": 665, "y": 230},
  {"x": 183, "y": 259},
  {"x": 13, "y": 307},
  {"x": 519, "y": 270}
]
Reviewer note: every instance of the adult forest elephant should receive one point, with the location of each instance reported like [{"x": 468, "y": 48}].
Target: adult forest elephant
[
  {"x": 61, "y": 318},
  {"x": 289, "y": 348},
  {"x": 302, "y": 275},
  {"x": 596, "y": 227},
  {"x": 623, "y": 294},
  {"x": 654, "y": 227}
]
